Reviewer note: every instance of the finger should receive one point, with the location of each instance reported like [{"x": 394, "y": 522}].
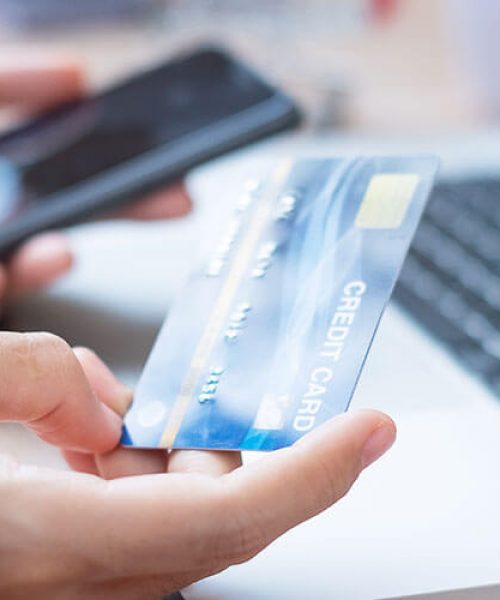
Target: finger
[
  {"x": 203, "y": 461},
  {"x": 120, "y": 462},
  {"x": 169, "y": 203},
  {"x": 103, "y": 383},
  {"x": 126, "y": 462},
  {"x": 295, "y": 484},
  {"x": 40, "y": 83},
  {"x": 38, "y": 262},
  {"x": 215, "y": 522},
  {"x": 205, "y": 521},
  {"x": 43, "y": 386},
  {"x": 81, "y": 462}
]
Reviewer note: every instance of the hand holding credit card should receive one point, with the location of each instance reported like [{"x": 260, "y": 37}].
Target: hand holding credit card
[{"x": 268, "y": 339}]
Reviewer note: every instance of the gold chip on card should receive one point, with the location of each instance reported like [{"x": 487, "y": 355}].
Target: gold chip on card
[{"x": 386, "y": 201}]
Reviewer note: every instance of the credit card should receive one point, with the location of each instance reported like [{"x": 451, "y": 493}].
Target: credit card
[{"x": 269, "y": 336}]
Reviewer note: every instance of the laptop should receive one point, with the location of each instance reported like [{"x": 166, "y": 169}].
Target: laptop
[{"x": 423, "y": 522}]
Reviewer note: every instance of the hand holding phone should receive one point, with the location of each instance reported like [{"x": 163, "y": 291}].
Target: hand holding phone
[
  {"x": 98, "y": 153},
  {"x": 45, "y": 256}
]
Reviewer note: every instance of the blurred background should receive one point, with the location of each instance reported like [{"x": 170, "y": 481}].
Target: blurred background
[
  {"x": 412, "y": 66},
  {"x": 376, "y": 76}
]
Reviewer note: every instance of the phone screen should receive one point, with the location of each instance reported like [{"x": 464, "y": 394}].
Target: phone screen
[{"x": 88, "y": 137}]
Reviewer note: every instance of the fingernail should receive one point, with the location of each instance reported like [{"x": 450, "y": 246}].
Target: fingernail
[{"x": 378, "y": 443}]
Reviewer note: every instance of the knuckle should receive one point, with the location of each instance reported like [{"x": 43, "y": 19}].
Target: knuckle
[
  {"x": 250, "y": 539},
  {"x": 51, "y": 423},
  {"x": 336, "y": 479},
  {"x": 45, "y": 359},
  {"x": 38, "y": 375},
  {"x": 241, "y": 536},
  {"x": 33, "y": 350},
  {"x": 45, "y": 341},
  {"x": 51, "y": 351},
  {"x": 36, "y": 345}
]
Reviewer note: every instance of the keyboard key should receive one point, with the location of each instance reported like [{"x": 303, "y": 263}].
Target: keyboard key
[
  {"x": 451, "y": 279},
  {"x": 482, "y": 363},
  {"x": 452, "y": 307}
]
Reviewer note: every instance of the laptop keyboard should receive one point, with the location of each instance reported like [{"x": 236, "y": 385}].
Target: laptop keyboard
[{"x": 450, "y": 281}]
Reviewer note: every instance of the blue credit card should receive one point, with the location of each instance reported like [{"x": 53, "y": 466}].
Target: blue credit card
[{"x": 268, "y": 338}]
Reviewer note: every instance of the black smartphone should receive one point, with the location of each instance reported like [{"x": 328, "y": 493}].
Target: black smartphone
[{"x": 94, "y": 154}]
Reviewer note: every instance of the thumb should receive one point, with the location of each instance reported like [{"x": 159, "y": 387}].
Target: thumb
[
  {"x": 43, "y": 386},
  {"x": 293, "y": 485},
  {"x": 39, "y": 82}
]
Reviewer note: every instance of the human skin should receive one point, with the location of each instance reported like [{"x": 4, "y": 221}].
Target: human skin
[{"x": 138, "y": 524}]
